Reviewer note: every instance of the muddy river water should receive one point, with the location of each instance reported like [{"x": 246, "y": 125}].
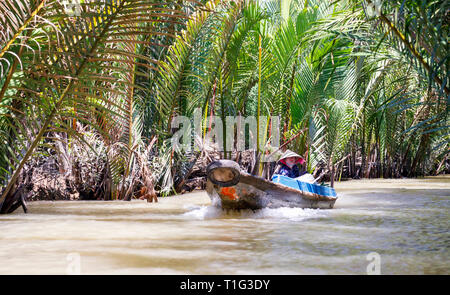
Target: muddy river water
[{"x": 386, "y": 226}]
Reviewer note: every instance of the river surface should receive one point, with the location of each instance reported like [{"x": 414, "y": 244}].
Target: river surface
[{"x": 386, "y": 226}]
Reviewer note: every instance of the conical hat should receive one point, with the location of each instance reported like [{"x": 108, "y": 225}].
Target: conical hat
[{"x": 288, "y": 154}]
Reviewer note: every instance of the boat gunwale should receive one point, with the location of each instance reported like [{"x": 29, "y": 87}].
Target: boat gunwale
[{"x": 246, "y": 178}]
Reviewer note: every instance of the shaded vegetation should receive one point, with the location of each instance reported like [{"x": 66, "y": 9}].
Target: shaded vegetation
[{"x": 88, "y": 94}]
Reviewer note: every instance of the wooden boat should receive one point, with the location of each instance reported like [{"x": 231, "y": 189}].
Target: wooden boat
[{"x": 230, "y": 188}]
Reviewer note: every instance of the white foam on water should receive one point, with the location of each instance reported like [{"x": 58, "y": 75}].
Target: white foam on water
[
  {"x": 204, "y": 212},
  {"x": 211, "y": 212},
  {"x": 291, "y": 213}
]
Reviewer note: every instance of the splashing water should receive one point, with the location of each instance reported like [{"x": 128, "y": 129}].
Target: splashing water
[{"x": 294, "y": 214}]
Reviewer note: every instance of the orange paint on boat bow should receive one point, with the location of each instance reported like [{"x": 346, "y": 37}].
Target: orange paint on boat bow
[{"x": 230, "y": 192}]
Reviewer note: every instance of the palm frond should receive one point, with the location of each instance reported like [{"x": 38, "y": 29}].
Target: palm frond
[{"x": 64, "y": 66}]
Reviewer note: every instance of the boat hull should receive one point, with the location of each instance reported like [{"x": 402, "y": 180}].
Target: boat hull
[{"x": 252, "y": 192}]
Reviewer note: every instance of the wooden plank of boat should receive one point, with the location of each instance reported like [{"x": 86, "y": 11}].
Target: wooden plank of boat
[{"x": 231, "y": 188}]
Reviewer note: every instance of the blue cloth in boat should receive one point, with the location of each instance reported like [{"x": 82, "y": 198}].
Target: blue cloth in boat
[
  {"x": 304, "y": 186},
  {"x": 290, "y": 172}
]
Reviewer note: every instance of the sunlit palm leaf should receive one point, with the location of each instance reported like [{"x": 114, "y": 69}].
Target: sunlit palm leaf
[{"x": 65, "y": 70}]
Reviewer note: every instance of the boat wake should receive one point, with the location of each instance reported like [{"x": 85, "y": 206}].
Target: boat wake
[{"x": 286, "y": 213}]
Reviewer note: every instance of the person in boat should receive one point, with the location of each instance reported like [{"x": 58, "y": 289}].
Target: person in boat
[{"x": 288, "y": 165}]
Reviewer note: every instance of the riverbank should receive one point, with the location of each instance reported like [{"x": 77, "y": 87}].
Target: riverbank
[{"x": 434, "y": 182}]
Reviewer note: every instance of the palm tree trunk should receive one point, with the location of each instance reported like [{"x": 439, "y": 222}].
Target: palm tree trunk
[
  {"x": 424, "y": 141},
  {"x": 332, "y": 175},
  {"x": 363, "y": 151},
  {"x": 224, "y": 125},
  {"x": 367, "y": 158},
  {"x": 440, "y": 165}
]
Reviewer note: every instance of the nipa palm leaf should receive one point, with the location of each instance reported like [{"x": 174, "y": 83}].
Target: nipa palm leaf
[{"x": 80, "y": 61}]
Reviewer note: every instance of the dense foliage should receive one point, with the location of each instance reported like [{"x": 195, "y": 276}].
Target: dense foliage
[{"x": 361, "y": 87}]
